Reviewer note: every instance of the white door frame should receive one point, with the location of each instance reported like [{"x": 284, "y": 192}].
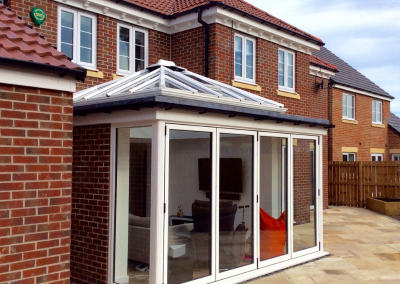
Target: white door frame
[
  {"x": 318, "y": 199},
  {"x": 289, "y": 197},
  {"x": 213, "y": 131},
  {"x": 253, "y": 266}
]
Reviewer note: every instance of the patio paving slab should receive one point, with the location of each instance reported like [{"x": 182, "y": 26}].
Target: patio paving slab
[{"x": 364, "y": 248}]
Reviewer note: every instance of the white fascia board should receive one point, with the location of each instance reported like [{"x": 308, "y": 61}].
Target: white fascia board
[
  {"x": 361, "y": 92},
  {"x": 213, "y": 15},
  {"x": 245, "y": 25},
  {"x": 36, "y": 79},
  {"x": 183, "y": 95},
  {"x": 321, "y": 72},
  {"x": 121, "y": 12}
]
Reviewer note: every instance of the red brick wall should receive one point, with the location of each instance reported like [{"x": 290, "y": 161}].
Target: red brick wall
[
  {"x": 159, "y": 46},
  {"x": 35, "y": 185},
  {"x": 393, "y": 139},
  {"x": 90, "y": 204},
  {"x": 361, "y": 135}
]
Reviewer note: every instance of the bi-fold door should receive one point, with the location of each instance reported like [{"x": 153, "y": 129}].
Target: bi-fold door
[{"x": 236, "y": 201}]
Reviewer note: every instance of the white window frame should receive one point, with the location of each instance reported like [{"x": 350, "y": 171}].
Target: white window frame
[
  {"x": 376, "y": 156},
  {"x": 348, "y": 155},
  {"x": 243, "y": 78},
  {"x": 346, "y": 116},
  {"x": 76, "y": 36},
  {"x": 375, "y": 104},
  {"x": 132, "y": 30},
  {"x": 394, "y": 156},
  {"x": 285, "y": 73}
]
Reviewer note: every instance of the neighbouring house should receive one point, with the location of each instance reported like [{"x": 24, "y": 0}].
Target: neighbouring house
[
  {"x": 236, "y": 130},
  {"x": 36, "y": 123},
  {"x": 360, "y": 110},
  {"x": 394, "y": 137}
]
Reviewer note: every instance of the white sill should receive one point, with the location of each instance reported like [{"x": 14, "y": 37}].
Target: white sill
[
  {"x": 287, "y": 90},
  {"x": 90, "y": 68},
  {"x": 240, "y": 80},
  {"x": 346, "y": 118},
  {"x": 377, "y": 123}
]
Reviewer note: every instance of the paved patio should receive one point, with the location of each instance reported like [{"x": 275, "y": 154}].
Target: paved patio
[{"x": 364, "y": 248}]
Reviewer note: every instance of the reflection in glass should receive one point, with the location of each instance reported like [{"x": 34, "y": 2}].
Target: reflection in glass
[
  {"x": 281, "y": 68},
  {"x": 290, "y": 70},
  {"x": 236, "y": 238},
  {"x": 273, "y": 197},
  {"x": 249, "y": 59},
  {"x": 86, "y": 40},
  {"x": 304, "y": 194},
  {"x": 67, "y": 26},
  {"x": 134, "y": 170},
  {"x": 124, "y": 48},
  {"x": 190, "y": 225},
  {"x": 139, "y": 51},
  {"x": 238, "y": 56}
]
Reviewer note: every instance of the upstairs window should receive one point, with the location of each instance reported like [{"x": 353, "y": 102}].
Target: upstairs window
[
  {"x": 245, "y": 59},
  {"x": 77, "y": 36},
  {"x": 349, "y": 106},
  {"x": 376, "y": 157},
  {"x": 132, "y": 49},
  {"x": 376, "y": 112},
  {"x": 286, "y": 70}
]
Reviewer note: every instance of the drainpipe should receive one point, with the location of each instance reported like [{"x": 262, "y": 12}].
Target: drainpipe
[{"x": 206, "y": 40}]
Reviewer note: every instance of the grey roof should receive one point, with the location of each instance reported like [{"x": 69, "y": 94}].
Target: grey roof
[
  {"x": 348, "y": 76},
  {"x": 394, "y": 122}
]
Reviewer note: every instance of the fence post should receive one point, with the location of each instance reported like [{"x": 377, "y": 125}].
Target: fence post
[{"x": 360, "y": 184}]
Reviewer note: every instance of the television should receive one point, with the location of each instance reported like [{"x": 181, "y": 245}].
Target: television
[{"x": 230, "y": 175}]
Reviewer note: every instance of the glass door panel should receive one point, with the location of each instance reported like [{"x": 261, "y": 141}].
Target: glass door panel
[
  {"x": 236, "y": 202},
  {"x": 189, "y": 211},
  {"x": 273, "y": 197},
  {"x": 304, "y": 194}
]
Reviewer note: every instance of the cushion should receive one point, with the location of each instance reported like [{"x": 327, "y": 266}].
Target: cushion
[
  {"x": 272, "y": 235},
  {"x": 139, "y": 221}
]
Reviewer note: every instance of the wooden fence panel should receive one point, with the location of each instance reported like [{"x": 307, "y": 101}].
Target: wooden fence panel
[{"x": 350, "y": 183}]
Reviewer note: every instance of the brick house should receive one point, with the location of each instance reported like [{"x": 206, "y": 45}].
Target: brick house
[
  {"x": 394, "y": 137},
  {"x": 36, "y": 87},
  {"x": 360, "y": 110},
  {"x": 244, "y": 56}
]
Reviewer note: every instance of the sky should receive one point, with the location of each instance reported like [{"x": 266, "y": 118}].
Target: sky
[{"x": 364, "y": 33}]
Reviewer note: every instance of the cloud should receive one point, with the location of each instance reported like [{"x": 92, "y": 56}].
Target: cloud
[{"x": 364, "y": 33}]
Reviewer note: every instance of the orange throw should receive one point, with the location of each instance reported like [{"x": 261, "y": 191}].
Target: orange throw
[{"x": 272, "y": 235}]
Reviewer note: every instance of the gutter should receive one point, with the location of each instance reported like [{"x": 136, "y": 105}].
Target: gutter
[
  {"x": 80, "y": 75},
  {"x": 206, "y": 40}
]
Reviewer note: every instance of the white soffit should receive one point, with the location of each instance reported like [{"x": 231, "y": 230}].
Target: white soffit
[
  {"x": 321, "y": 72},
  {"x": 189, "y": 21},
  {"x": 349, "y": 89},
  {"x": 164, "y": 78},
  {"x": 36, "y": 79}
]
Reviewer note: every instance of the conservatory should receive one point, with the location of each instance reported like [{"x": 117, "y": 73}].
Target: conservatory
[{"x": 209, "y": 183}]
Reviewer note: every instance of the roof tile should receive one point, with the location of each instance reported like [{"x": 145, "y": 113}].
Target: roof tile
[
  {"x": 394, "y": 122},
  {"x": 19, "y": 41},
  {"x": 322, "y": 63}
]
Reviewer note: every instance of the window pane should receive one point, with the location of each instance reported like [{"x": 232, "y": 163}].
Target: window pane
[
  {"x": 190, "y": 224},
  {"x": 67, "y": 35},
  {"x": 290, "y": 71},
  {"x": 249, "y": 59},
  {"x": 86, "y": 24},
  {"x": 273, "y": 197},
  {"x": 139, "y": 38},
  {"x": 139, "y": 65},
  {"x": 86, "y": 55},
  {"x": 344, "y": 105},
  {"x": 124, "y": 49},
  {"x": 304, "y": 187},
  {"x": 281, "y": 68},
  {"x": 67, "y": 49},
  {"x": 139, "y": 52},
  {"x": 238, "y": 57},
  {"x": 236, "y": 204},
  {"x": 67, "y": 19},
  {"x": 134, "y": 183},
  {"x": 124, "y": 63},
  {"x": 373, "y": 111},
  {"x": 345, "y": 158},
  {"x": 86, "y": 40},
  {"x": 352, "y": 157}
]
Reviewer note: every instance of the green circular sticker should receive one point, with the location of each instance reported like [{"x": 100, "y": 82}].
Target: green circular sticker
[{"x": 38, "y": 15}]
